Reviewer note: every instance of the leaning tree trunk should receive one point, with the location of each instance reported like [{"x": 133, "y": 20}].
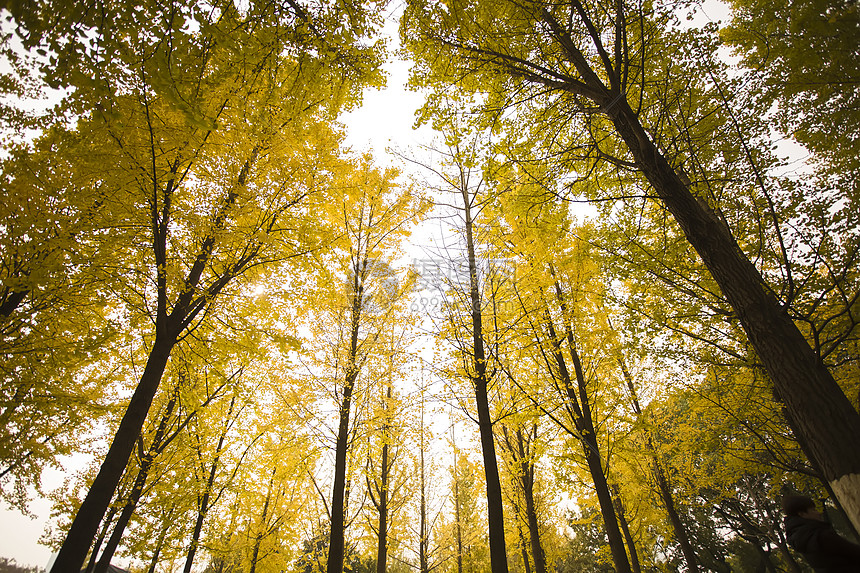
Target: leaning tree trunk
[
  {"x": 137, "y": 488},
  {"x": 816, "y": 405},
  {"x": 578, "y": 405},
  {"x": 85, "y": 524}
]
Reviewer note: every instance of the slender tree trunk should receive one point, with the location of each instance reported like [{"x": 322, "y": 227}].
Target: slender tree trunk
[
  {"x": 382, "y": 541},
  {"x": 663, "y": 486},
  {"x": 528, "y": 481},
  {"x": 520, "y": 451},
  {"x": 107, "y": 522},
  {"x": 458, "y": 529},
  {"x": 524, "y": 548},
  {"x": 161, "y": 537},
  {"x": 207, "y": 493},
  {"x": 86, "y": 522},
  {"x": 480, "y": 382},
  {"x": 423, "y": 566},
  {"x": 625, "y": 529},
  {"x": 678, "y": 528},
  {"x": 258, "y": 539},
  {"x": 338, "y": 505},
  {"x": 580, "y": 411},
  {"x": 137, "y": 488}
]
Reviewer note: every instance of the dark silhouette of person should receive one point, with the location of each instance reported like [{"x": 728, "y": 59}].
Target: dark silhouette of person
[{"x": 809, "y": 534}]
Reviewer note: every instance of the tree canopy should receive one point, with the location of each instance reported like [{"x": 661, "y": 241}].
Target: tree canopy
[{"x": 635, "y": 331}]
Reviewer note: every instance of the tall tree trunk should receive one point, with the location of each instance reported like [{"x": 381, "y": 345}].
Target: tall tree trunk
[
  {"x": 524, "y": 549},
  {"x": 161, "y": 537},
  {"x": 86, "y": 522},
  {"x": 423, "y": 565},
  {"x": 338, "y": 506},
  {"x": 521, "y": 451},
  {"x": 207, "y": 493},
  {"x": 107, "y": 522},
  {"x": 458, "y": 524},
  {"x": 625, "y": 529},
  {"x": 480, "y": 382},
  {"x": 663, "y": 486},
  {"x": 385, "y": 477},
  {"x": 528, "y": 477},
  {"x": 820, "y": 411},
  {"x": 578, "y": 405},
  {"x": 137, "y": 488},
  {"x": 258, "y": 539}
]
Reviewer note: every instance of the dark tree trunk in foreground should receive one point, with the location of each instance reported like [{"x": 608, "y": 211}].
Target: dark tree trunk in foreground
[
  {"x": 74, "y": 550},
  {"x": 816, "y": 405},
  {"x": 170, "y": 321}
]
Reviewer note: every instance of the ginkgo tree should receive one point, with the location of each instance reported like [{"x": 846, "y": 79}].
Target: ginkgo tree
[{"x": 357, "y": 297}]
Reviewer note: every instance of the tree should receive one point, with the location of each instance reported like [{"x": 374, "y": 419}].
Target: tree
[
  {"x": 461, "y": 177},
  {"x": 360, "y": 297},
  {"x": 595, "y": 61}
]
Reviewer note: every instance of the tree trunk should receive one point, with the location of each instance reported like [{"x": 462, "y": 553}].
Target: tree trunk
[
  {"x": 625, "y": 529},
  {"x": 458, "y": 529},
  {"x": 580, "y": 412},
  {"x": 137, "y": 488},
  {"x": 528, "y": 470},
  {"x": 423, "y": 565},
  {"x": 480, "y": 382},
  {"x": 663, "y": 486},
  {"x": 822, "y": 414},
  {"x": 258, "y": 539},
  {"x": 161, "y": 537},
  {"x": 207, "y": 493},
  {"x": 338, "y": 506},
  {"x": 86, "y": 522},
  {"x": 108, "y": 519},
  {"x": 816, "y": 405},
  {"x": 520, "y": 452}
]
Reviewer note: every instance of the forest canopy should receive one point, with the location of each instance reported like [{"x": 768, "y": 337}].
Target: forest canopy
[{"x": 634, "y": 333}]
